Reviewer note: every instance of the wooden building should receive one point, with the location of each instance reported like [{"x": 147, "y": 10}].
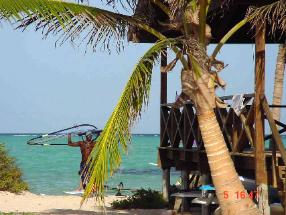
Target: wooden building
[{"x": 181, "y": 145}]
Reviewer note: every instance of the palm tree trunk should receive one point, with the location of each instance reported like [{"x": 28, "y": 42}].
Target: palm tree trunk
[
  {"x": 231, "y": 194},
  {"x": 233, "y": 198},
  {"x": 279, "y": 78}
]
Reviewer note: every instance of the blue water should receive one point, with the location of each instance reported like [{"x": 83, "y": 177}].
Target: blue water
[{"x": 53, "y": 169}]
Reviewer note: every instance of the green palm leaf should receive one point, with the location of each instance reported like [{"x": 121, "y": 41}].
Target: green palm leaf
[
  {"x": 71, "y": 21},
  {"x": 106, "y": 155}
]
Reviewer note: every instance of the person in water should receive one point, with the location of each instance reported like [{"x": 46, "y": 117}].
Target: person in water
[{"x": 86, "y": 147}]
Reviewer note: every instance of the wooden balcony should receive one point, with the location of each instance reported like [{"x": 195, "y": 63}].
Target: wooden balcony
[{"x": 182, "y": 147}]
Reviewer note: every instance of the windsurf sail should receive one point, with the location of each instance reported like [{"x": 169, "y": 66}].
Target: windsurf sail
[{"x": 54, "y": 138}]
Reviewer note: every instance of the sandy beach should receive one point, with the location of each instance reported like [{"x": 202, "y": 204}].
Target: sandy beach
[{"x": 46, "y": 204}]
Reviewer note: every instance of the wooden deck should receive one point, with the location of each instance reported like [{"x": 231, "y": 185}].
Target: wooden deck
[{"x": 194, "y": 160}]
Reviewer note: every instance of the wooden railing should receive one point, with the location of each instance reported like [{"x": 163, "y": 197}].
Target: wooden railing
[{"x": 180, "y": 126}]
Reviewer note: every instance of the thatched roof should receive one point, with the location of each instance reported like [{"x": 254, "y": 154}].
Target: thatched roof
[{"x": 221, "y": 18}]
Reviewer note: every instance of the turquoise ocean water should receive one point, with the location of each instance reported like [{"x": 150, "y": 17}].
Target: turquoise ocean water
[{"x": 53, "y": 169}]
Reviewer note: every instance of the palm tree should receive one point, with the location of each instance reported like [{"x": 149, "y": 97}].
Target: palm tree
[
  {"x": 199, "y": 78},
  {"x": 279, "y": 80}
]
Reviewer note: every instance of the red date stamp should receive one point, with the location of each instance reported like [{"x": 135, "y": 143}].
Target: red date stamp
[{"x": 242, "y": 195}]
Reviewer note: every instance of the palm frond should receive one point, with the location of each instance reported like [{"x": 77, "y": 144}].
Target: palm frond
[
  {"x": 229, "y": 34},
  {"x": 202, "y": 18},
  {"x": 176, "y": 6},
  {"x": 162, "y": 6},
  {"x": 273, "y": 14},
  {"x": 123, "y": 3},
  {"x": 106, "y": 155},
  {"x": 74, "y": 22}
]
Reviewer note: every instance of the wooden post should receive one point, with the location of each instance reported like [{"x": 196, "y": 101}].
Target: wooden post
[
  {"x": 163, "y": 100},
  {"x": 185, "y": 187},
  {"x": 260, "y": 169},
  {"x": 166, "y": 184},
  {"x": 163, "y": 77}
]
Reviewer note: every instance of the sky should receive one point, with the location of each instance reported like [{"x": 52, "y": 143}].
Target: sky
[{"x": 44, "y": 88}]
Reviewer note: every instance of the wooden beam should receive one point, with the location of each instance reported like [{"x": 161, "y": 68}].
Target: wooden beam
[
  {"x": 260, "y": 169},
  {"x": 166, "y": 184},
  {"x": 277, "y": 141},
  {"x": 185, "y": 187},
  {"x": 163, "y": 100},
  {"x": 241, "y": 141},
  {"x": 163, "y": 78},
  {"x": 235, "y": 132},
  {"x": 258, "y": 115},
  {"x": 247, "y": 129},
  {"x": 276, "y": 136},
  {"x": 163, "y": 97}
]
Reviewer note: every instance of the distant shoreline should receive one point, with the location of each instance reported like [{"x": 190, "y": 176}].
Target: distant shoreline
[{"x": 135, "y": 134}]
